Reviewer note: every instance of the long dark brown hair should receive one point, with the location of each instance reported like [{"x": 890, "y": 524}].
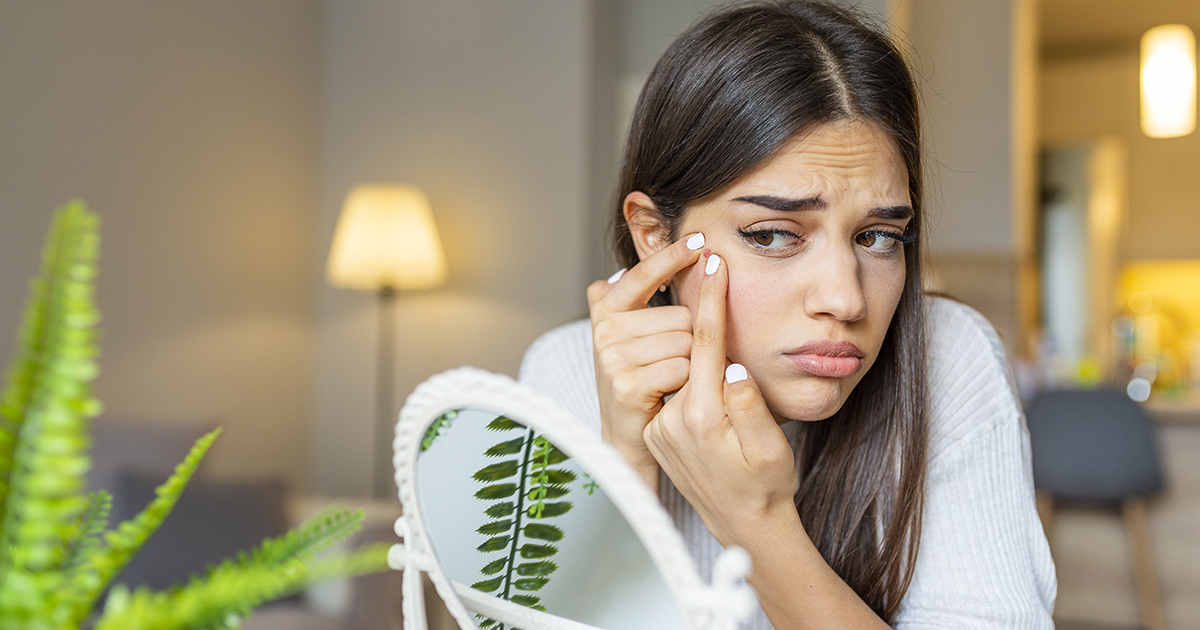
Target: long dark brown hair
[{"x": 727, "y": 96}]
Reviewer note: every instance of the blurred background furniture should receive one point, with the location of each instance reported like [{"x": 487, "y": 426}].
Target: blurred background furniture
[{"x": 1098, "y": 446}]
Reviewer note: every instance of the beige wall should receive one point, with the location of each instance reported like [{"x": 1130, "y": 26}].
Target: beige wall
[
  {"x": 1086, "y": 98},
  {"x": 192, "y": 129},
  {"x": 964, "y": 57},
  {"x": 484, "y": 105}
]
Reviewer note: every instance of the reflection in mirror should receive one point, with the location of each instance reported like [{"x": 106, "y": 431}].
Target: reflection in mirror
[{"x": 513, "y": 516}]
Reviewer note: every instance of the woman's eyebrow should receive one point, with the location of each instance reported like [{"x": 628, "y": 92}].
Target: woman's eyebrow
[
  {"x": 892, "y": 213},
  {"x": 784, "y": 204},
  {"x": 788, "y": 204}
]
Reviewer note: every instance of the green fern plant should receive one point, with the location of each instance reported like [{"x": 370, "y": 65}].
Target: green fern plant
[
  {"x": 523, "y": 491},
  {"x": 57, "y": 554}
]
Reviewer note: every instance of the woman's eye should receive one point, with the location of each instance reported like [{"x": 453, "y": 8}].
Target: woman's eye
[
  {"x": 771, "y": 240},
  {"x": 879, "y": 241}
]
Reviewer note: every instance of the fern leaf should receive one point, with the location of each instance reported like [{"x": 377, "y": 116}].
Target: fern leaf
[
  {"x": 536, "y": 569},
  {"x": 548, "y": 492},
  {"x": 535, "y": 482},
  {"x": 229, "y": 592},
  {"x": 530, "y": 551},
  {"x": 549, "y": 510},
  {"x": 329, "y": 526},
  {"x": 495, "y": 527},
  {"x": 511, "y": 447},
  {"x": 494, "y": 567},
  {"x": 543, "y": 531},
  {"x": 559, "y": 477},
  {"x": 437, "y": 429},
  {"x": 528, "y": 601},
  {"x": 495, "y": 543},
  {"x": 501, "y": 510},
  {"x": 122, "y": 543},
  {"x": 497, "y": 491},
  {"x": 487, "y": 586},
  {"x": 87, "y": 530},
  {"x": 504, "y": 424},
  {"x": 43, "y": 420},
  {"x": 496, "y": 472},
  {"x": 531, "y": 584}
]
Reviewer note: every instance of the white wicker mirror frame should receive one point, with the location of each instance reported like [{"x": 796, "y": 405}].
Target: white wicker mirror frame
[{"x": 716, "y": 607}]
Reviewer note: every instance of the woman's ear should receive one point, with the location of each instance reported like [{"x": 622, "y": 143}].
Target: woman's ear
[{"x": 649, "y": 231}]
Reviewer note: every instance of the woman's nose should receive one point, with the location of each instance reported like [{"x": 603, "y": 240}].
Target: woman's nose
[{"x": 835, "y": 288}]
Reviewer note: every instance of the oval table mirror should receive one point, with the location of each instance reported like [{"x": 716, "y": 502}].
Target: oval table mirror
[{"x": 523, "y": 518}]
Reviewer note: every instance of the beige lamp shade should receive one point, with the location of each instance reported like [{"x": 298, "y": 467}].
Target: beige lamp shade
[
  {"x": 386, "y": 238},
  {"x": 1168, "y": 81}
]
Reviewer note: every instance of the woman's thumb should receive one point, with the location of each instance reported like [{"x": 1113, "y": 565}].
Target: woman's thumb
[{"x": 748, "y": 413}]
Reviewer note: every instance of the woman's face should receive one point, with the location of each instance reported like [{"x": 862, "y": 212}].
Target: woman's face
[{"x": 813, "y": 243}]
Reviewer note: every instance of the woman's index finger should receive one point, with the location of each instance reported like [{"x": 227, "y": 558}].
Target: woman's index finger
[
  {"x": 708, "y": 335},
  {"x": 635, "y": 287}
]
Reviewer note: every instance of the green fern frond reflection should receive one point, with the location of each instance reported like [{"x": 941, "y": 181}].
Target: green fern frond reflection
[{"x": 534, "y": 482}]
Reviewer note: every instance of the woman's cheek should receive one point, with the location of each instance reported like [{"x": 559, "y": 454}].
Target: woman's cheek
[
  {"x": 744, "y": 313},
  {"x": 686, "y": 284}
]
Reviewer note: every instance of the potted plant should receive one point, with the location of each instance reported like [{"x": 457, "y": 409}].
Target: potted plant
[{"x": 58, "y": 554}]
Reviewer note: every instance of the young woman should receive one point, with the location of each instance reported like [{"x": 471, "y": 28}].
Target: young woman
[{"x": 767, "y": 362}]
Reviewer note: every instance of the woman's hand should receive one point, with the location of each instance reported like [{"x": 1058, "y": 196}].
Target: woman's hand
[
  {"x": 717, "y": 440},
  {"x": 641, "y": 353}
]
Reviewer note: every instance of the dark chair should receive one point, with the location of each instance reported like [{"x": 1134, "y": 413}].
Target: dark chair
[{"x": 1099, "y": 446}]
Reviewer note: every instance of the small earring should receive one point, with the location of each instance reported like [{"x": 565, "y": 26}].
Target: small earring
[{"x": 662, "y": 288}]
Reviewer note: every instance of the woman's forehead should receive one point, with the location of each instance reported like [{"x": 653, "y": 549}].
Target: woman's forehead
[{"x": 831, "y": 159}]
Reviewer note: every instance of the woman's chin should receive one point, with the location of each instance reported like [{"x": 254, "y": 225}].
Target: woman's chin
[{"x": 809, "y": 400}]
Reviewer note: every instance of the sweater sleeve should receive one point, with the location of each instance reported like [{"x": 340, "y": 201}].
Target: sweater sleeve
[
  {"x": 559, "y": 366},
  {"x": 984, "y": 561}
]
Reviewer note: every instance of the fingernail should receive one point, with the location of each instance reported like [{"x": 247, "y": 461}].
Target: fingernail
[
  {"x": 696, "y": 241},
  {"x": 736, "y": 372},
  {"x": 713, "y": 264},
  {"x": 616, "y": 276}
]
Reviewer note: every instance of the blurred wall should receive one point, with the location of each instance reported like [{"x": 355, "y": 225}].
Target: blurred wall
[
  {"x": 485, "y": 106},
  {"x": 1085, "y": 98},
  {"x": 979, "y": 149},
  {"x": 192, "y": 129}
]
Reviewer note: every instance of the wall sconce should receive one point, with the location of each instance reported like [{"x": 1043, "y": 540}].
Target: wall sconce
[
  {"x": 385, "y": 241},
  {"x": 1168, "y": 81}
]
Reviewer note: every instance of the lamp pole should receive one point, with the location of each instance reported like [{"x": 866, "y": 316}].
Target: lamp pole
[
  {"x": 383, "y": 485},
  {"x": 385, "y": 240}
]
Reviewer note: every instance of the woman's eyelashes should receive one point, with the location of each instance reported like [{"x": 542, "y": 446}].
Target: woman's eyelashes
[
  {"x": 774, "y": 241},
  {"x": 883, "y": 241},
  {"x": 771, "y": 241}
]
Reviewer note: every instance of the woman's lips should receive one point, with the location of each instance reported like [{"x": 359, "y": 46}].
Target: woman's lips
[{"x": 834, "y": 359}]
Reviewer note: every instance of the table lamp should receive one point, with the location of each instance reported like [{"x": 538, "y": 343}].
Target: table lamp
[{"x": 385, "y": 241}]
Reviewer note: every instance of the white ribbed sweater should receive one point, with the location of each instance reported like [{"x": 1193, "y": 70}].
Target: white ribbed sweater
[{"x": 983, "y": 560}]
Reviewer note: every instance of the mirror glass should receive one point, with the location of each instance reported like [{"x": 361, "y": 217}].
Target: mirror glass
[{"x": 512, "y": 515}]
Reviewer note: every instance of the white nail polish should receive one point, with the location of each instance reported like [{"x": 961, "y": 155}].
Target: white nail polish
[
  {"x": 696, "y": 241},
  {"x": 736, "y": 372},
  {"x": 713, "y": 264},
  {"x": 616, "y": 276}
]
